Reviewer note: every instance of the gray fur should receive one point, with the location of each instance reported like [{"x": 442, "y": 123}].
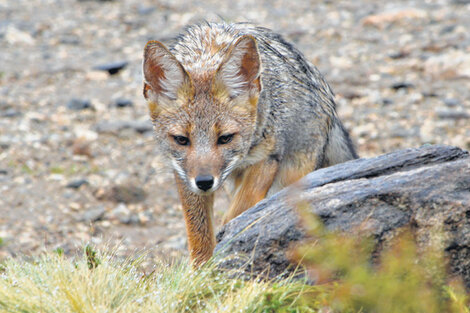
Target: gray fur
[{"x": 296, "y": 105}]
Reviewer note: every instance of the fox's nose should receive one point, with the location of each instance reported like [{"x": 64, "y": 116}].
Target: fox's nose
[{"x": 204, "y": 182}]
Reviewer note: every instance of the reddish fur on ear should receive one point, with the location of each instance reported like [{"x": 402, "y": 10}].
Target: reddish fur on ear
[
  {"x": 163, "y": 73},
  {"x": 250, "y": 61},
  {"x": 240, "y": 70}
]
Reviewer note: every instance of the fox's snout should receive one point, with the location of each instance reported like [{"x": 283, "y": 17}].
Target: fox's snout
[
  {"x": 203, "y": 175},
  {"x": 204, "y": 182}
]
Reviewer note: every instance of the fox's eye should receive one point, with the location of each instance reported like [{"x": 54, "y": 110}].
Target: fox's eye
[
  {"x": 181, "y": 140},
  {"x": 225, "y": 139}
]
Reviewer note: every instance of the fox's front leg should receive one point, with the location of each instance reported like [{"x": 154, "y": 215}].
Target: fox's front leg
[
  {"x": 255, "y": 184},
  {"x": 197, "y": 211}
]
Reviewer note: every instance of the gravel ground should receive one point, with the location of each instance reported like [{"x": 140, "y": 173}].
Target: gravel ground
[{"x": 77, "y": 161}]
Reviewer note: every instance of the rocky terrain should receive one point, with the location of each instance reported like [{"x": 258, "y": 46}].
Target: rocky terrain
[{"x": 77, "y": 161}]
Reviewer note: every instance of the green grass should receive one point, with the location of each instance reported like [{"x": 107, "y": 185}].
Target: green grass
[
  {"x": 101, "y": 283},
  {"x": 403, "y": 280}
]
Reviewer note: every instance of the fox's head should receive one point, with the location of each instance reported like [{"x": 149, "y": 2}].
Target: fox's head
[{"x": 204, "y": 119}]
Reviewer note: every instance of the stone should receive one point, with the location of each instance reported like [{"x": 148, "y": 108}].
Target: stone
[
  {"x": 424, "y": 188},
  {"x": 93, "y": 215},
  {"x": 112, "y": 68},
  {"x": 402, "y": 85},
  {"x": 77, "y": 104},
  {"x": 75, "y": 184},
  {"x": 451, "y": 102},
  {"x": 122, "y": 103},
  {"x": 446, "y": 113},
  {"x": 10, "y": 113}
]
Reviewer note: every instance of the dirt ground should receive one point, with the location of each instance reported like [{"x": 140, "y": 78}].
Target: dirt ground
[{"x": 77, "y": 160}]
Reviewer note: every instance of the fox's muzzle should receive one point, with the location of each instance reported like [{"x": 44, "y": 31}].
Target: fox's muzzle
[{"x": 204, "y": 182}]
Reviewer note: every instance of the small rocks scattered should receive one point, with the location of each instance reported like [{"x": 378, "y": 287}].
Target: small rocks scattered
[
  {"x": 112, "y": 68},
  {"x": 48, "y": 140}
]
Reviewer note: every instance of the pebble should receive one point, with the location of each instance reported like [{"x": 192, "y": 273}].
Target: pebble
[
  {"x": 111, "y": 68},
  {"x": 452, "y": 114},
  {"x": 145, "y": 10},
  {"x": 122, "y": 103},
  {"x": 402, "y": 85},
  {"x": 48, "y": 57},
  {"x": 79, "y": 104},
  {"x": 387, "y": 101},
  {"x": 451, "y": 102},
  {"x": 121, "y": 213},
  {"x": 75, "y": 184},
  {"x": 93, "y": 215},
  {"x": 14, "y": 36},
  {"x": 10, "y": 113}
]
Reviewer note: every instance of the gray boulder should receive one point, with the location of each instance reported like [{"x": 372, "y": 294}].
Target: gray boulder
[{"x": 421, "y": 187}]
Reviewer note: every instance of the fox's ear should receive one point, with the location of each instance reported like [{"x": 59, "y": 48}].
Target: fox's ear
[
  {"x": 240, "y": 71},
  {"x": 164, "y": 77}
]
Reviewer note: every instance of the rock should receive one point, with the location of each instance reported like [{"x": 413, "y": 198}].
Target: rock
[
  {"x": 387, "y": 101},
  {"x": 81, "y": 146},
  {"x": 351, "y": 94},
  {"x": 402, "y": 85},
  {"x": 122, "y": 103},
  {"x": 75, "y": 184},
  {"x": 398, "y": 54},
  {"x": 79, "y": 104},
  {"x": 93, "y": 215},
  {"x": 452, "y": 114},
  {"x": 451, "y": 102},
  {"x": 122, "y": 213},
  {"x": 454, "y": 64},
  {"x": 145, "y": 10},
  {"x": 424, "y": 187},
  {"x": 10, "y": 113},
  {"x": 112, "y": 68},
  {"x": 14, "y": 36}
]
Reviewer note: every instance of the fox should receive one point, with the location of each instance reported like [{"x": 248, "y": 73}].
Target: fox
[{"x": 235, "y": 104}]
